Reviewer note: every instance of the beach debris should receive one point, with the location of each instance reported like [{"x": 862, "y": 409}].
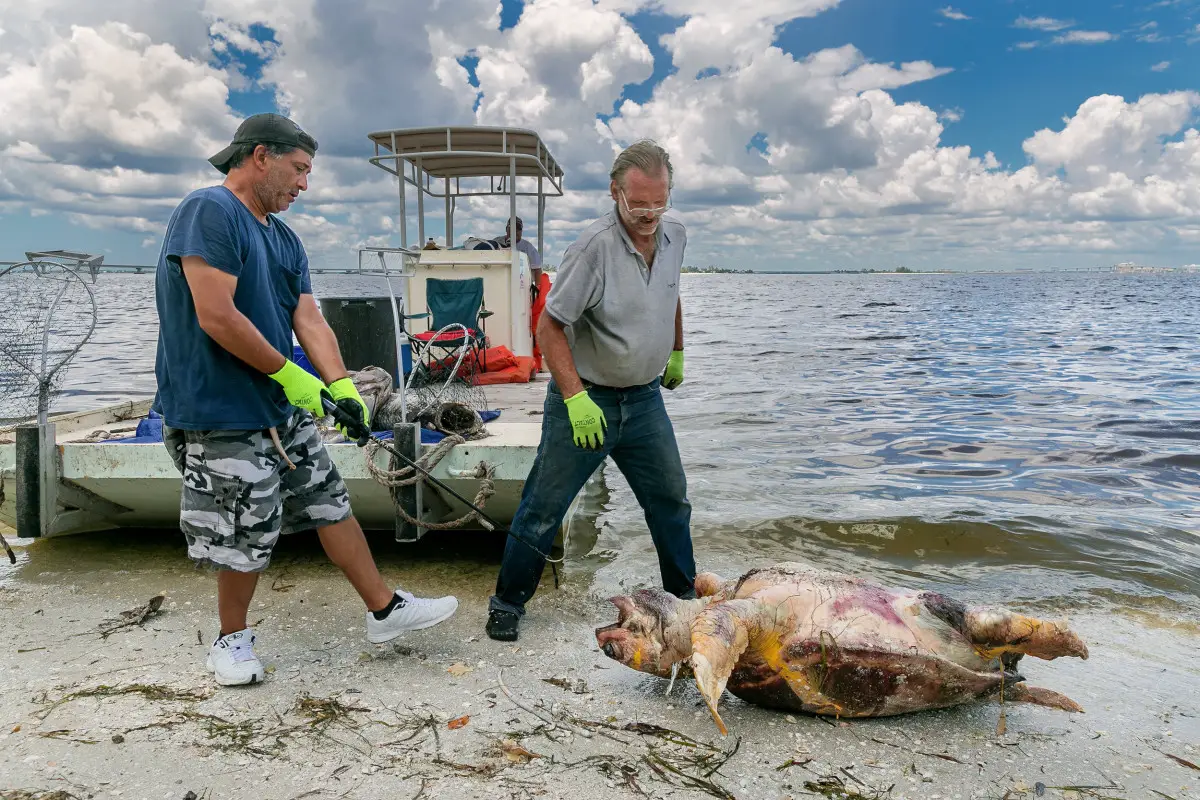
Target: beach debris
[
  {"x": 459, "y": 722},
  {"x": 43, "y": 794},
  {"x": 942, "y": 756},
  {"x": 12, "y": 557},
  {"x": 544, "y": 716},
  {"x": 459, "y": 669},
  {"x": 834, "y": 787},
  {"x": 322, "y": 712},
  {"x": 800, "y": 639},
  {"x": 280, "y": 584},
  {"x": 134, "y": 616},
  {"x": 577, "y": 686},
  {"x": 1181, "y": 761},
  {"x": 151, "y": 691},
  {"x": 515, "y": 753}
]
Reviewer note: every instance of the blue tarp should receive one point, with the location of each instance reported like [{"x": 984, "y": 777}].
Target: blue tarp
[{"x": 149, "y": 431}]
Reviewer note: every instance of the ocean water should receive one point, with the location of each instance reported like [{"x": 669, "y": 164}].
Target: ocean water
[{"x": 1029, "y": 437}]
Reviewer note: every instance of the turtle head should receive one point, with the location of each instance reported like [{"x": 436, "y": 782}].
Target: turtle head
[{"x": 652, "y": 631}]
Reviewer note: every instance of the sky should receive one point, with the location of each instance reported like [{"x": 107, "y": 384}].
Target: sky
[{"x": 804, "y": 134}]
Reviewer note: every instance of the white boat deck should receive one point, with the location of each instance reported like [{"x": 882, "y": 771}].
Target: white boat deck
[
  {"x": 142, "y": 478},
  {"x": 519, "y": 404}
]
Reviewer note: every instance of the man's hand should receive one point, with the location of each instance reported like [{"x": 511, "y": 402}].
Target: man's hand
[
  {"x": 345, "y": 389},
  {"x": 303, "y": 389},
  {"x": 587, "y": 421},
  {"x": 673, "y": 374}
]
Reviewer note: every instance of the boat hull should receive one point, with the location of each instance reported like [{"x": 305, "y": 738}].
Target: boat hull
[{"x": 140, "y": 488}]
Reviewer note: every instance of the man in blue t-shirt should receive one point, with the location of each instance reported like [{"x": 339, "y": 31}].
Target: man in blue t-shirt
[{"x": 232, "y": 287}]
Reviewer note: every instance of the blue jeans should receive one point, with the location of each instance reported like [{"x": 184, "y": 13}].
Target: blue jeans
[{"x": 641, "y": 441}]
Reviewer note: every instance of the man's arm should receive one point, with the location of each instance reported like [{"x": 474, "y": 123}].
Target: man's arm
[
  {"x": 552, "y": 340},
  {"x": 212, "y": 294},
  {"x": 679, "y": 325},
  {"x": 318, "y": 340},
  {"x": 535, "y": 267}
]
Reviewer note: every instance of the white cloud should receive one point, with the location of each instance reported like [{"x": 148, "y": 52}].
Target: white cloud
[
  {"x": 1085, "y": 37},
  {"x": 952, "y": 13},
  {"x": 106, "y": 123},
  {"x": 1042, "y": 23},
  {"x": 115, "y": 91},
  {"x": 1161, "y": 66}
]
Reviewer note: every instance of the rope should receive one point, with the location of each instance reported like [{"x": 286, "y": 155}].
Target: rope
[{"x": 408, "y": 476}]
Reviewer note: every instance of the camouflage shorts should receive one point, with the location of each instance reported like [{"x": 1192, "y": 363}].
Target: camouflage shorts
[{"x": 239, "y": 495}]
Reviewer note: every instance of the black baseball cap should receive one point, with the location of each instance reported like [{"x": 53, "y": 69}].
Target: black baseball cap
[
  {"x": 519, "y": 223},
  {"x": 265, "y": 129}
]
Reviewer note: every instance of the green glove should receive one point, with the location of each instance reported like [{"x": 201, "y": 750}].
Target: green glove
[
  {"x": 587, "y": 421},
  {"x": 673, "y": 374},
  {"x": 345, "y": 389},
  {"x": 302, "y": 388}
]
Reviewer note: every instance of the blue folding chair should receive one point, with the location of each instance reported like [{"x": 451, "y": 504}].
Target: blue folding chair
[{"x": 457, "y": 302}]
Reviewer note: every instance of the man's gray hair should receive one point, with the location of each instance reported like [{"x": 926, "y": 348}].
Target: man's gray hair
[{"x": 645, "y": 155}]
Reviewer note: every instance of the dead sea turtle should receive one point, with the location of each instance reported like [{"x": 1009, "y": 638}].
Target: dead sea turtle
[{"x": 795, "y": 638}]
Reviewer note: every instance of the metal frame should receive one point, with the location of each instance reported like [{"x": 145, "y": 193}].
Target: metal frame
[
  {"x": 490, "y": 152},
  {"x": 517, "y": 152},
  {"x": 398, "y": 311},
  {"x": 48, "y": 504}
]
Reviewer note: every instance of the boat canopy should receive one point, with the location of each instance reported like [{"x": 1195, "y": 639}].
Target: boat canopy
[{"x": 435, "y": 160}]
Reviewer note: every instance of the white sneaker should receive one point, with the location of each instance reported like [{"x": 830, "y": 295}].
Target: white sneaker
[
  {"x": 416, "y": 613},
  {"x": 232, "y": 659}
]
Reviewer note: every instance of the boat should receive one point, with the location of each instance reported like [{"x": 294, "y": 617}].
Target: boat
[{"x": 92, "y": 471}]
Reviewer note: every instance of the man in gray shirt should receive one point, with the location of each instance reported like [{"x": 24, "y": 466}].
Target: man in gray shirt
[
  {"x": 525, "y": 246},
  {"x": 611, "y": 334}
]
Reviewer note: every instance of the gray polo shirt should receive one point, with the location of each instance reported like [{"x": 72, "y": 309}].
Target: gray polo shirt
[
  {"x": 619, "y": 314},
  {"x": 531, "y": 252}
]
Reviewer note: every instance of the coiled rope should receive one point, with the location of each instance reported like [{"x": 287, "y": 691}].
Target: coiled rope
[{"x": 394, "y": 477}]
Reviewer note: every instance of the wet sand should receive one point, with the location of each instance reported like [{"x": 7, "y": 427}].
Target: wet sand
[{"x": 339, "y": 717}]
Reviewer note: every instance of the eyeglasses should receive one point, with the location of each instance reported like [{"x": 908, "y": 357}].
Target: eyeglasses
[{"x": 644, "y": 212}]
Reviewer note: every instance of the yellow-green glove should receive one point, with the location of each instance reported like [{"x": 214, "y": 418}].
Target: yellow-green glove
[
  {"x": 673, "y": 374},
  {"x": 302, "y": 388},
  {"x": 587, "y": 421},
  {"x": 345, "y": 389}
]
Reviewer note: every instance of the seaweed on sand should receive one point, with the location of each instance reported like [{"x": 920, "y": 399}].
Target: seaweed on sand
[
  {"x": 134, "y": 616},
  {"x": 151, "y": 691}
]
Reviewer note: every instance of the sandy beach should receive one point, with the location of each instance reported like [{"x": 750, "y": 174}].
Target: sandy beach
[{"x": 97, "y": 705}]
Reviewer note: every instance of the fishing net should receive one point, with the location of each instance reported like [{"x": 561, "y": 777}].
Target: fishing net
[
  {"x": 440, "y": 394},
  {"x": 453, "y": 378},
  {"x": 47, "y": 313}
]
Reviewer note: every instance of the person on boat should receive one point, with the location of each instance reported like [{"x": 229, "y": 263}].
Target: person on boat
[
  {"x": 528, "y": 248},
  {"x": 611, "y": 334},
  {"x": 540, "y": 281},
  {"x": 524, "y": 245},
  {"x": 232, "y": 285}
]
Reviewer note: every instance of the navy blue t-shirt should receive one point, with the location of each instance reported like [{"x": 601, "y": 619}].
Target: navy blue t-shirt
[{"x": 201, "y": 385}]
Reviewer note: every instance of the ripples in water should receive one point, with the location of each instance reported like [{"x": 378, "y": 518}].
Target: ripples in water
[{"x": 1044, "y": 449}]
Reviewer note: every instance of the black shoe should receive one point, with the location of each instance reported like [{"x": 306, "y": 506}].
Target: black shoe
[{"x": 502, "y": 625}]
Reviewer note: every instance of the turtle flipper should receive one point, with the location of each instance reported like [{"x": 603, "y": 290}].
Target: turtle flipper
[
  {"x": 720, "y": 634},
  {"x": 996, "y": 631},
  {"x": 1023, "y": 693}
]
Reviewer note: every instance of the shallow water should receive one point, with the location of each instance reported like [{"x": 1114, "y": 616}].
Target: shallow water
[{"x": 1028, "y": 438}]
